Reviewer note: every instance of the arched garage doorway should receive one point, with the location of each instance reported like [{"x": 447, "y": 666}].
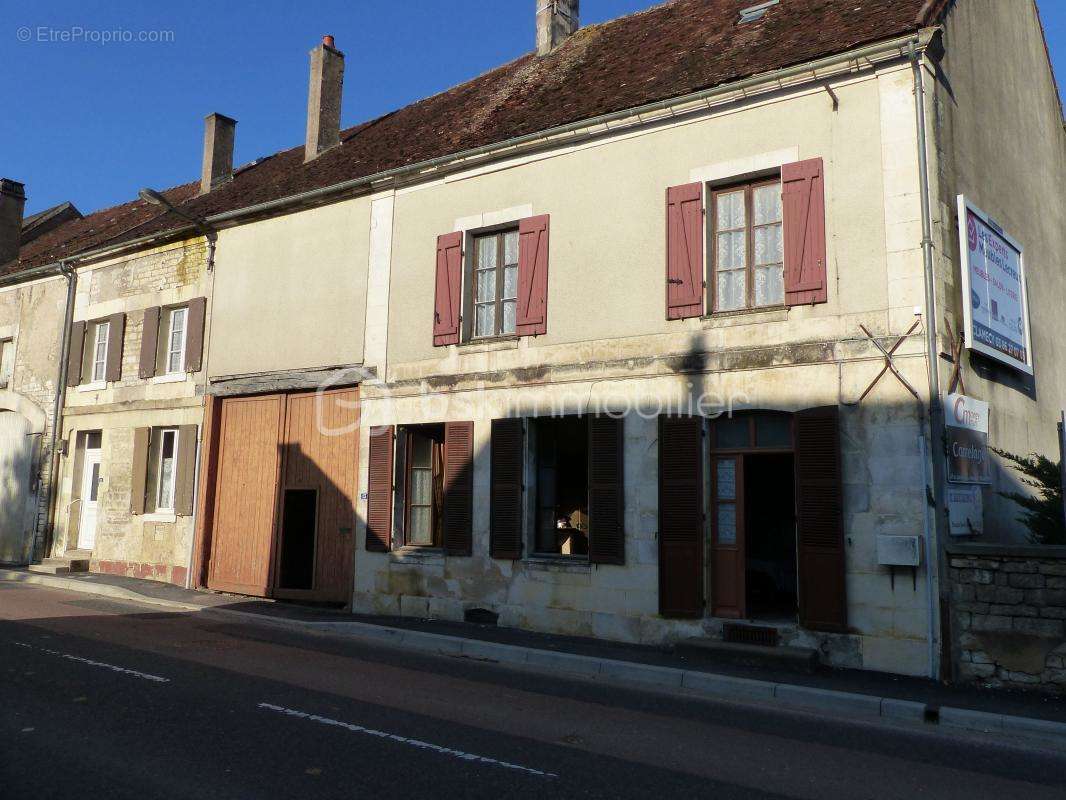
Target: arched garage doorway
[{"x": 21, "y": 427}]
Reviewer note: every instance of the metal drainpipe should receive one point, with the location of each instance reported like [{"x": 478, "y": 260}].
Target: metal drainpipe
[
  {"x": 935, "y": 411},
  {"x": 57, "y": 409}
]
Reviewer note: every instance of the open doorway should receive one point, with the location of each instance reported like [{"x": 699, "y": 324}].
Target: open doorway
[
  {"x": 770, "y": 521},
  {"x": 299, "y": 516}
]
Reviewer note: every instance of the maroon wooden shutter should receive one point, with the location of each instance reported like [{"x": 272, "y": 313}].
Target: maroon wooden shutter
[
  {"x": 680, "y": 516},
  {"x": 142, "y": 440},
  {"x": 449, "y": 282},
  {"x": 607, "y": 540},
  {"x": 819, "y": 520},
  {"x": 458, "y": 488},
  {"x": 116, "y": 327},
  {"x": 194, "y": 334},
  {"x": 684, "y": 251},
  {"x": 803, "y": 218},
  {"x": 379, "y": 490},
  {"x": 77, "y": 342},
  {"x": 531, "y": 313},
  {"x": 149, "y": 338},
  {"x": 508, "y": 446}
]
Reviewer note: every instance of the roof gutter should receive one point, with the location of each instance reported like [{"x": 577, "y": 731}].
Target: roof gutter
[{"x": 897, "y": 47}]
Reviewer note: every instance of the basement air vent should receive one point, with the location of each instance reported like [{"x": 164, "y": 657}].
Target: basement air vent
[
  {"x": 752, "y": 13},
  {"x": 749, "y": 634}
]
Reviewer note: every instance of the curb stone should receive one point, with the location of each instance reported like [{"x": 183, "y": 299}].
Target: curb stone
[{"x": 624, "y": 673}]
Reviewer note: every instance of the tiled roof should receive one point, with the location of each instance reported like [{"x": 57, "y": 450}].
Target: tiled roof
[{"x": 669, "y": 50}]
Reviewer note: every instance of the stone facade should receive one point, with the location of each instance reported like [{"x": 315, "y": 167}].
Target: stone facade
[{"x": 1009, "y": 616}]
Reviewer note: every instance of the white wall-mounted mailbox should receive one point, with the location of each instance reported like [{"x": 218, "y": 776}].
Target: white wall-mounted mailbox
[{"x": 899, "y": 551}]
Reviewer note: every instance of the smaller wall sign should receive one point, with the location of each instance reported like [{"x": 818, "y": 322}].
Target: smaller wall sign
[
  {"x": 993, "y": 283},
  {"x": 966, "y": 427},
  {"x": 966, "y": 514}
]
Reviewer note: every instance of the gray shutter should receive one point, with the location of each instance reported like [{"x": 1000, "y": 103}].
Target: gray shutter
[
  {"x": 185, "y": 487},
  {"x": 116, "y": 328},
  {"x": 77, "y": 342},
  {"x": 194, "y": 335},
  {"x": 149, "y": 338},
  {"x": 142, "y": 438}
]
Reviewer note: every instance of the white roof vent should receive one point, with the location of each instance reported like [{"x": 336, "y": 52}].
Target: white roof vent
[{"x": 752, "y": 13}]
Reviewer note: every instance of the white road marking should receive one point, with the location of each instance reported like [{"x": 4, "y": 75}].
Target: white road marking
[
  {"x": 448, "y": 751},
  {"x": 90, "y": 662}
]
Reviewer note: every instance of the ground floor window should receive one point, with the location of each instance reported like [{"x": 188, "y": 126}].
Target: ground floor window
[
  {"x": 420, "y": 485},
  {"x": 162, "y": 469},
  {"x": 561, "y": 454}
]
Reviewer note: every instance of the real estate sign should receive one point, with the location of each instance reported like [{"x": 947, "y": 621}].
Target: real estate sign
[
  {"x": 966, "y": 429},
  {"x": 993, "y": 281}
]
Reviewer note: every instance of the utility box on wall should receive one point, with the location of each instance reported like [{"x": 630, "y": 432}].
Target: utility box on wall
[{"x": 899, "y": 551}]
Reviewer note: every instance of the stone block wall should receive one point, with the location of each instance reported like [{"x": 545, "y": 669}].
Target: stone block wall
[{"x": 1009, "y": 615}]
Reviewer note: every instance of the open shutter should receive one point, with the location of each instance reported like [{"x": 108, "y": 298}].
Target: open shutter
[
  {"x": 684, "y": 251},
  {"x": 447, "y": 300},
  {"x": 77, "y": 342},
  {"x": 680, "y": 516},
  {"x": 458, "y": 487},
  {"x": 194, "y": 335},
  {"x": 607, "y": 540},
  {"x": 819, "y": 520},
  {"x": 115, "y": 329},
  {"x": 142, "y": 438},
  {"x": 508, "y": 455},
  {"x": 149, "y": 338},
  {"x": 803, "y": 218},
  {"x": 185, "y": 486},
  {"x": 379, "y": 489},
  {"x": 531, "y": 313}
]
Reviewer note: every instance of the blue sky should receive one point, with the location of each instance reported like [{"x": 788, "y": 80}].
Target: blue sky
[{"x": 93, "y": 121}]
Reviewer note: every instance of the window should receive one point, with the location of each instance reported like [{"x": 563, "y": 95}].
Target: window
[
  {"x": 98, "y": 354},
  {"x": 495, "y": 284},
  {"x": 162, "y": 469},
  {"x": 7, "y": 360},
  {"x": 561, "y": 447},
  {"x": 747, "y": 250},
  {"x": 420, "y": 462},
  {"x": 173, "y": 330}
]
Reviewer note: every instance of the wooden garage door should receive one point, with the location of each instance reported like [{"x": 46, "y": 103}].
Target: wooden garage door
[{"x": 242, "y": 542}]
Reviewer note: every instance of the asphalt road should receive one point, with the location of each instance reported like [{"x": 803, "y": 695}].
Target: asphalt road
[{"x": 107, "y": 699}]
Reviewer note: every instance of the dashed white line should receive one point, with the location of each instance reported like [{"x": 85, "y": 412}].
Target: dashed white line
[
  {"x": 448, "y": 751},
  {"x": 135, "y": 673}
]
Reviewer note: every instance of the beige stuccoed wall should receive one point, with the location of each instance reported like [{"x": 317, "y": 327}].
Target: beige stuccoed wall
[
  {"x": 290, "y": 292},
  {"x": 999, "y": 139}
]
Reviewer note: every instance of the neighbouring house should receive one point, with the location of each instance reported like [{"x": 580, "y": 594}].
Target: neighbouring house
[{"x": 644, "y": 335}]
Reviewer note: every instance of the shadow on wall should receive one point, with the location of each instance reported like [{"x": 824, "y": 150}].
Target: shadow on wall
[{"x": 19, "y": 447}]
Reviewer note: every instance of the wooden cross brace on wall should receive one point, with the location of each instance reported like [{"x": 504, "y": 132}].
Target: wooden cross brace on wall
[
  {"x": 957, "y": 345},
  {"x": 889, "y": 364}
]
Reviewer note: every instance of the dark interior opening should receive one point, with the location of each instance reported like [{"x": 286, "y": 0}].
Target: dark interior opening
[
  {"x": 298, "y": 520},
  {"x": 770, "y": 515},
  {"x": 562, "y": 468}
]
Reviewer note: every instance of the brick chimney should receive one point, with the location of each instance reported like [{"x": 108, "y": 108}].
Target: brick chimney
[
  {"x": 12, "y": 204},
  {"x": 556, "y": 21},
  {"x": 324, "y": 99},
  {"x": 218, "y": 152}
]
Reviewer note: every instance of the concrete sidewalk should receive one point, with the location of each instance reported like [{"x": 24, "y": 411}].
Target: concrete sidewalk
[{"x": 847, "y": 692}]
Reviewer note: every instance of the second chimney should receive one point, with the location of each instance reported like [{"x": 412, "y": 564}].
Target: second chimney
[
  {"x": 12, "y": 204},
  {"x": 556, "y": 21},
  {"x": 324, "y": 99},
  {"x": 218, "y": 151}
]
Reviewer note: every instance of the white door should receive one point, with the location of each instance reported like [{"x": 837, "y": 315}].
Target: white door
[{"x": 90, "y": 492}]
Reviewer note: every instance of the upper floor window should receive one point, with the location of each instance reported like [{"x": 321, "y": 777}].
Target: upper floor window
[
  {"x": 495, "y": 283},
  {"x": 98, "y": 354},
  {"x": 747, "y": 253},
  {"x": 7, "y": 360},
  {"x": 175, "y": 342}
]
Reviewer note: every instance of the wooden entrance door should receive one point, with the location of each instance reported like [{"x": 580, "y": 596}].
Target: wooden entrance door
[{"x": 249, "y": 460}]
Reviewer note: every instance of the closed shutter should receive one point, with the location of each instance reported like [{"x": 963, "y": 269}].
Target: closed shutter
[
  {"x": 185, "y": 485},
  {"x": 194, "y": 336},
  {"x": 803, "y": 218},
  {"x": 680, "y": 516},
  {"x": 684, "y": 251},
  {"x": 458, "y": 487},
  {"x": 379, "y": 489},
  {"x": 607, "y": 540},
  {"x": 149, "y": 337},
  {"x": 819, "y": 520},
  {"x": 508, "y": 456},
  {"x": 116, "y": 327},
  {"x": 142, "y": 438},
  {"x": 77, "y": 343},
  {"x": 449, "y": 282},
  {"x": 531, "y": 313}
]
